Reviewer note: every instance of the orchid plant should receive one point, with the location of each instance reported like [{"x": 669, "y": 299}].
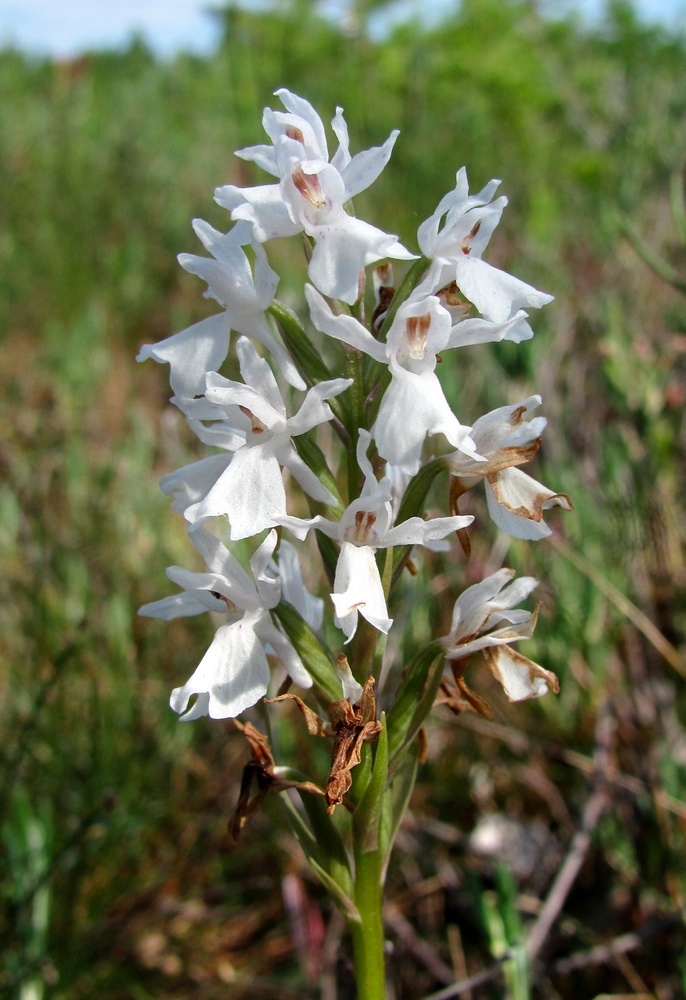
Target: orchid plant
[{"x": 364, "y": 413}]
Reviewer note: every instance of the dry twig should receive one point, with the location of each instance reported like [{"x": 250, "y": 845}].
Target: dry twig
[{"x": 595, "y": 807}]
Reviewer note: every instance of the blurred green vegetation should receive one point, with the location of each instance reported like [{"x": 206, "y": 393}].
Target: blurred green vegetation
[{"x": 117, "y": 878}]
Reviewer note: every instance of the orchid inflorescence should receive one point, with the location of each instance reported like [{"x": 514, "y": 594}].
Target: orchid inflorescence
[{"x": 363, "y": 476}]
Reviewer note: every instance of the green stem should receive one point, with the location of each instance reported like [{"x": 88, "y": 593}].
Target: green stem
[{"x": 368, "y": 935}]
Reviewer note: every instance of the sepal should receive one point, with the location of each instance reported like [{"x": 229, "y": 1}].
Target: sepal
[{"x": 313, "y": 457}]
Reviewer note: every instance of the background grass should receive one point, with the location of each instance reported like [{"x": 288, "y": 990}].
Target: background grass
[{"x": 118, "y": 880}]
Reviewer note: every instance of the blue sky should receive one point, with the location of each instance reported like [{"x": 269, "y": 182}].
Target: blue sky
[{"x": 63, "y": 29}]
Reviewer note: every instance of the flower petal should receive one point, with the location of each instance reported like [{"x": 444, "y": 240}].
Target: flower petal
[
  {"x": 233, "y": 674},
  {"x": 293, "y": 587},
  {"x": 250, "y": 492},
  {"x": 417, "y": 531},
  {"x": 179, "y": 606},
  {"x": 412, "y": 407},
  {"x": 520, "y": 677},
  {"x": 357, "y": 587},
  {"x": 496, "y": 294},
  {"x": 303, "y": 109},
  {"x": 344, "y": 328},
  {"x": 191, "y": 483},
  {"x": 365, "y": 167},
  {"x": 342, "y": 249},
  {"x": 516, "y": 503},
  {"x": 191, "y": 353},
  {"x": 273, "y": 637}
]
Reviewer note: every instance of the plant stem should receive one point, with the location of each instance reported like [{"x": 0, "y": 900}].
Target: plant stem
[{"x": 368, "y": 935}]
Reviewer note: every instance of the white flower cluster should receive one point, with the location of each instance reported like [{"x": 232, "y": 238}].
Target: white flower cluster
[{"x": 389, "y": 403}]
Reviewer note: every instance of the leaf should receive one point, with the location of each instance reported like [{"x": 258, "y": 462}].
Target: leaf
[
  {"x": 396, "y": 800},
  {"x": 314, "y": 459},
  {"x": 312, "y": 652},
  {"x": 305, "y": 355},
  {"x": 341, "y": 898},
  {"x": 329, "y": 552},
  {"x": 409, "y": 697},
  {"x": 413, "y": 504},
  {"x": 316, "y": 859},
  {"x": 330, "y": 843},
  {"x": 425, "y": 704}
]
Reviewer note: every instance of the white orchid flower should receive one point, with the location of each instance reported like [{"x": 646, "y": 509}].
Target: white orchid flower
[
  {"x": 414, "y": 403},
  {"x": 234, "y": 673},
  {"x": 311, "y": 195},
  {"x": 455, "y": 253},
  {"x": 505, "y": 440},
  {"x": 249, "y": 486},
  {"x": 204, "y": 346},
  {"x": 365, "y": 526},
  {"x": 485, "y": 618}
]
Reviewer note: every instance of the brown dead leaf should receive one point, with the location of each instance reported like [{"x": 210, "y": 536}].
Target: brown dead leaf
[
  {"x": 316, "y": 726},
  {"x": 353, "y": 725},
  {"x": 259, "y": 772}
]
